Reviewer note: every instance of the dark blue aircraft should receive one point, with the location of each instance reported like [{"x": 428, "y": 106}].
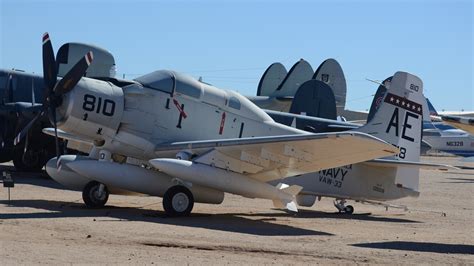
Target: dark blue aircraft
[{"x": 21, "y": 95}]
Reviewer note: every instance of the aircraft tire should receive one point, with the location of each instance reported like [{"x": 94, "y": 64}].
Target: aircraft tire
[
  {"x": 178, "y": 201},
  {"x": 29, "y": 162},
  {"x": 349, "y": 209},
  {"x": 91, "y": 197}
]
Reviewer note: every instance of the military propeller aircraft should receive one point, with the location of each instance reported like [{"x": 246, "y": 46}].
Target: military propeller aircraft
[{"x": 197, "y": 141}]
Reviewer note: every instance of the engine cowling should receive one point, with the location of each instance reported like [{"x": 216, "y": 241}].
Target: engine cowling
[{"x": 93, "y": 109}]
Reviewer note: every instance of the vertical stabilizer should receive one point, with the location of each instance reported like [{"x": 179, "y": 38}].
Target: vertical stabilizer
[
  {"x": 399, "y": 121},
  {"x": 271, "y": 79},
  {"x": 330, "y": 72}
]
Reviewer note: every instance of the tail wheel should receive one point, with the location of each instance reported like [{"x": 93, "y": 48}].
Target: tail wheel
[
  {"x": 178, "y": 201},
  {"x": 95, "y": 195},
  {"x": 349, "y": 209}
]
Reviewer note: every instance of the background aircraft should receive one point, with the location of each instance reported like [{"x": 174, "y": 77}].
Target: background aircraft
[
  {"x": 21, "y": 96},
  {"x": 198, "y": 141},
  {"x": 447, "y": 138},
  {"x": 464, "y": 123}
]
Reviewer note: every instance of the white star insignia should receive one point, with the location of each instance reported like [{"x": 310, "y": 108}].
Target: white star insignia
[
  {"x": 419, "y": 109},
  {"x": 391, "y": 99},
  {"x": 403, "y": 103},
  {"x": 398, "y": 101},
  {"x": 408, "y": 105}
]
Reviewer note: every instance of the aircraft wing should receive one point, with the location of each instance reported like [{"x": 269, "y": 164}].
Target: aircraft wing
[
  {"x": 74, "y": 142},
  {"x": 275, "y": 157},
  {"x": 464, "y": 123},
  {"x": 67, "y": 136}
]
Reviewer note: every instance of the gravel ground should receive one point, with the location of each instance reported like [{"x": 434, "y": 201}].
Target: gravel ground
[{"x": 45, "y": 224}]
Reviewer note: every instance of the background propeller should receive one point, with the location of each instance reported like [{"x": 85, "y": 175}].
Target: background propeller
[{"x": 54, "y": 90}]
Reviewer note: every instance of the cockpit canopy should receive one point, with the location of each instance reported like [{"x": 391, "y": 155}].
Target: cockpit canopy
[{"x": 172, "y": 82}]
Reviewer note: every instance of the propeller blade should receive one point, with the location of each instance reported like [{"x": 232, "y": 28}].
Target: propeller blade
[
  {"x": 33, "y": 92},
  {"x": 25, "y": 130},
  {"x": 53, "y": 111},
  {"x": 3, "y": 133},
  {"x": 50, "y": 71},
  {"x": 72, "y": 77},
  {"x": 6, "y": 97}
]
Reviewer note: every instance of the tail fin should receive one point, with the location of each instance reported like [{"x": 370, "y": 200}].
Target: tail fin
[
  {"x": 399, "y": 121},
  {"x": 431, "y": 108},
  {"x": 379, "y": 95},
  {"x": 285, "y": 203},
  {"x": 314, "y": 98},
  {"x": 271, "y": 79},
  {"x": 298, "y": 74},
  {"x": 330, "y": 72}
]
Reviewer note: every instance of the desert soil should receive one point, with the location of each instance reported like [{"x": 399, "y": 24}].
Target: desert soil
[{"x": 43, "y": 223}]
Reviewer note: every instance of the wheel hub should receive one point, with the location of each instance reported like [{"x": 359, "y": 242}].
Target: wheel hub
[{"x": 180, "y": 202}]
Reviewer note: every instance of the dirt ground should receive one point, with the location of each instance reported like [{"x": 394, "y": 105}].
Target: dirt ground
[{"x": 45, "y": 224}]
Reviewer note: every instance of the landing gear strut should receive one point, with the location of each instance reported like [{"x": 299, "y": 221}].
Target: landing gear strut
[
  {"x": 340, "y": 204},
  {"x": 178, "y": 201},
  {"x": 95, "y": 195}
]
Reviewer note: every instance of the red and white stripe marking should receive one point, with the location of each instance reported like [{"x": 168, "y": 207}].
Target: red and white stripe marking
[
  {"x": 221, "y": 128},
  {"x": 45, "y": 38},
  {"x": 181, "y": 111},
  {"x": 89, "y": 57}
]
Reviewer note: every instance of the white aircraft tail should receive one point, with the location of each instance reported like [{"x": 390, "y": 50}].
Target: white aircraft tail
[
  {"x": 286, "y": 203},
  {"x": 399, "y": 121}
]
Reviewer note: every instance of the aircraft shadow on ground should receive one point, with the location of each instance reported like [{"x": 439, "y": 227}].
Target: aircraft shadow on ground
[
  {"x": 421, "y": 247},
  {"x": 302, "y": 213},
  {"x": 222, "y": 222}
]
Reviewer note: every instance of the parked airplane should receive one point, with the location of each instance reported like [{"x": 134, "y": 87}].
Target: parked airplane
[
  {"x": 198, "y": 141},
  {"x": 444, "y": 137}
]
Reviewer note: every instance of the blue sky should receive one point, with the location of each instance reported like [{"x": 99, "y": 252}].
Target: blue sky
[{"x": 230, "y": 43}]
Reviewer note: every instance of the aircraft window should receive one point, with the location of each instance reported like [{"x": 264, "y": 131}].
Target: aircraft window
[
  {"x": 186, "y": 88},
  {"x": 234, "y": 103},
  {"x": 158, "y": 80}
]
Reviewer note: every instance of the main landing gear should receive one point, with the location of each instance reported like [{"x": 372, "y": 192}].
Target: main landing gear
[
  {"x": 95, "y": 195},
  {"x": 178, "y": 201},
  {"x": 340, "y": 204}
]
